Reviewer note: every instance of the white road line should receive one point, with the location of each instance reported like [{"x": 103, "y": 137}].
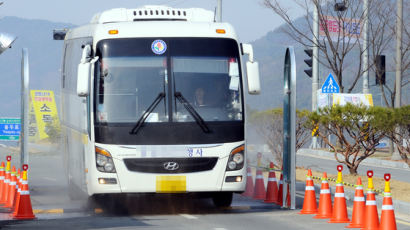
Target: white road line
[
  {"x": 191, "y": 217},
  {"x": 220, "y": 229}
]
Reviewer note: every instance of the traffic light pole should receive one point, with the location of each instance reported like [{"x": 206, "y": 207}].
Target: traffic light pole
[{"x": 315, "y": 64}]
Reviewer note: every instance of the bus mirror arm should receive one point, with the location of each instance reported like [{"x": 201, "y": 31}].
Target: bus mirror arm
[{"x": 252, "y": 70}]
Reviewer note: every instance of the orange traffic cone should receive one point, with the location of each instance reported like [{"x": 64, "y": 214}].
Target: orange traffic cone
[
  {"x": 358, "y": 207},
  {"x": 17, "y": 188},
  {"x": 272, "y": 190},
  {"x": 12, "y": 189},
  {"x": 339, "y": 213},
  {"x": 2, "y": 177},
  {"x": 371, "y": 220},
  {"x": 288, "y": 197},
  {"x": 17, "y": 200},
  {"x": 24, "y": 209},
  {"x": 259, "y": 191},
  {"x": 280, "y": 191},
  {"x": 325, "y": 201},
  {"x": 5, "y": 190},
  {"x": 249, "y": 184},
  {"x": 309, "y": 202},
  {"x": 388, "y": 219}
]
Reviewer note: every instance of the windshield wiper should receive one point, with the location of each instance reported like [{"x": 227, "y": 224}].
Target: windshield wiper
[
  {"x": 147, "y": 113},
  {"x": 192, "y": 111}
]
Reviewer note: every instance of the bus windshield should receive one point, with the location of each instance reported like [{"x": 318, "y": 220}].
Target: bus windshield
[
  {"x": 130, "y": 76},
  {"x": 211, "y": 85},
  {"x": 127, "y": 86}
]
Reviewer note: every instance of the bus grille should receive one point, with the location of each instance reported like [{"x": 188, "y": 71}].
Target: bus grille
[{"x": 170, "y": 165}]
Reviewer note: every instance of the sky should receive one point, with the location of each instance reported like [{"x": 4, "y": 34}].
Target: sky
[{"x": 250, "y": 18}]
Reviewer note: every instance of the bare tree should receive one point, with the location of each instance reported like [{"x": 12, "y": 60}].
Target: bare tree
[{"x": 340, "y": 35}]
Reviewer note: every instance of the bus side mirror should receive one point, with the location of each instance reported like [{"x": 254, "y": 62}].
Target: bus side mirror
[
  {"x": 59, "y": 34},
  {"x": 252, "y": 70},
  {"x": 84, "y": 72}
]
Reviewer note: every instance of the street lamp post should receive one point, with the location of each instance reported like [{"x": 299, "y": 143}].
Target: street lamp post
[{"x": 366, "y": 47}]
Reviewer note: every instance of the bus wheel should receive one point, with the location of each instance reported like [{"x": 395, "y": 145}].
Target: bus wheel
[{"x": 222, "y": 199}]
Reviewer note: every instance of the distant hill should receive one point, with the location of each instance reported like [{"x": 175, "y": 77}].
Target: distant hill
[
  {"x": 44, "y": 57},
  {"x": 270, "y": 53}
]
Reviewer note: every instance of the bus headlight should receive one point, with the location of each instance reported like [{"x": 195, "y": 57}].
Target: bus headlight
[
  {"x": 236, "y": 159},
  {"x": 104, "y": 160}
]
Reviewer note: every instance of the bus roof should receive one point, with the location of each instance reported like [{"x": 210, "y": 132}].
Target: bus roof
[
  {"x": 153, "y": 13},
  {"x": 153, "y": 21}
]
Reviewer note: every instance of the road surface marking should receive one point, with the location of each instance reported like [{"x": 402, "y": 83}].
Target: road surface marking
[
  {"x": 189, "y": 216},
  {"x": 48, "y": 211}
]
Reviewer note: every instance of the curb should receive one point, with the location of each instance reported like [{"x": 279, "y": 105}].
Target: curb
[{"x": 372, "y": 161}]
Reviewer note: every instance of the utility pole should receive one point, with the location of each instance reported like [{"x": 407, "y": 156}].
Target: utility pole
[
  {"x": 366, "y": 47},
  {"x": 397, "y": 97},
  {"x": 315, "y": 62},
  {"x": 219, "y": 11}
]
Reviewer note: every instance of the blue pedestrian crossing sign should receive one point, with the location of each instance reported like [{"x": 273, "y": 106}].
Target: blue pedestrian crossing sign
[{"x": 330, "y": 85}]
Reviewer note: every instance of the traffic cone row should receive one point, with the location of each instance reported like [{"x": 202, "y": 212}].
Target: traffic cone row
[
  {"x": 272, "y": 194},
  {"x": 14, "y": 191},
  {"x": 364, "y": 214}
]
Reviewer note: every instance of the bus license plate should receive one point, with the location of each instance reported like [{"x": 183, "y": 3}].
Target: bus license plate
[{"x": 171, "y": 184}]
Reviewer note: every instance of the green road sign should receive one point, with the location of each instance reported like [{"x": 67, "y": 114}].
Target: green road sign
[{"x": 10, "y": 129}]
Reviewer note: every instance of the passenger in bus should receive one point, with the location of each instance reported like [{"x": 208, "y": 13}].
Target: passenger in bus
[{"x": 199, "y": 97}]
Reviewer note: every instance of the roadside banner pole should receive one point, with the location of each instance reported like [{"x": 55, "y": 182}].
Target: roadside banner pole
[{"x": 289, "y": 130}]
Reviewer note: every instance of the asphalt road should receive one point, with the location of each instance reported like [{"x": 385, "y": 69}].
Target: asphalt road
[{"x": 54, "y": 210}]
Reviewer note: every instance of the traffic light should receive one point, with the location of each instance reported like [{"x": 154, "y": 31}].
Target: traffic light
[
  {"x": 380, "y": 69},
  {"x": 309, "y": 62},
  {"x": 340, "y": 5}
]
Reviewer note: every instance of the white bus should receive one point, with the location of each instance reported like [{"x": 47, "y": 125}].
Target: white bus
[{"x": 152, "y": 101}]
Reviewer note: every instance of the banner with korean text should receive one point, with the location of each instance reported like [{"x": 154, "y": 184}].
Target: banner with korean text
[
  {"x": 45, "y": 111},
  {"x": 355, "y": 99},
  {"x": 347, "y": 29}
]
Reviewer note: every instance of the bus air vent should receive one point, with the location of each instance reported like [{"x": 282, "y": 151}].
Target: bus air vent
[{"x": 181, "y": 165}]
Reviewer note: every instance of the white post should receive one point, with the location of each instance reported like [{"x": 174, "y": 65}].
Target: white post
[
  {"x": 315, "y": 62},
  {"x": 24, "y": 107},
  {"x": 366, "y": 47},
  {"x": 219, "y": 11},
  {"x": 397, "y": 97}
]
